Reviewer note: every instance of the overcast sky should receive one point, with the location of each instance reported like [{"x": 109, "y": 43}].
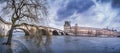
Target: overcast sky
[{"x": 86, "y": 13}]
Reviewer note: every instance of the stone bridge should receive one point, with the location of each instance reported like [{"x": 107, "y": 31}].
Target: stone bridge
[{"x": 29, "y": 29}]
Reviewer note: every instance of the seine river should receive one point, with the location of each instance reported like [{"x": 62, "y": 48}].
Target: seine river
[{"x": 62, "y": 44}]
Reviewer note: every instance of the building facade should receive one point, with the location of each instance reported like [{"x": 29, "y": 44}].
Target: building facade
[{"x": 88, "y": 31}]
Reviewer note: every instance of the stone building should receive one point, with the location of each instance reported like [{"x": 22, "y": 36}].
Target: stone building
[
  {"x": 67, "y": 27},
  {"x": 87, "y": 31}
]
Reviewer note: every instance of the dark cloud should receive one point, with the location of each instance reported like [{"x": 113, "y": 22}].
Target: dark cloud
[
  {"x": 63, "y": 13},
  {"x": 116, "y": 3},
  {"x": 103, "y": 1},
  {"x": 78, "y": 6},
  {"x": 1, "y": 1}
]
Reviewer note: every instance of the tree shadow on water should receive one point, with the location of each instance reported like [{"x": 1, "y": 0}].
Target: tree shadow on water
[
  {"x": 5, "y": 49},
  {"x": 20, "y": 47},
  {"x": 15, "y": 47}
]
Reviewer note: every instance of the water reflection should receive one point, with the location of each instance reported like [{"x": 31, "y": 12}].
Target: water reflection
[
  {"x": 37, "y": 45},
  {"x": 63, "y": 44},
  {"x": 44, "y": 45},
  {"x": 48, "y": 41}
]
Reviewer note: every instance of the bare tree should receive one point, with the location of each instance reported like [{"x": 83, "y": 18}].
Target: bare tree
[{"x": 24, "y": 10}]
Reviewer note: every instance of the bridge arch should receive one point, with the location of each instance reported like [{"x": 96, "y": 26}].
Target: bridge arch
[
  {"x": 62, "y": 33},
  {"x": 43, "y": 31},
  {"x": 55, "y": 32},
  {"x": 25, "y": 31}
]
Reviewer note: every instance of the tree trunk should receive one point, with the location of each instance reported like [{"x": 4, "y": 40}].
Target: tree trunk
[{"x": 10, "y": 35}]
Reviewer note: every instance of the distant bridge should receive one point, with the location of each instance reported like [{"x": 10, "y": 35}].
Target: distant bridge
[{"x": 29, "y": 29}]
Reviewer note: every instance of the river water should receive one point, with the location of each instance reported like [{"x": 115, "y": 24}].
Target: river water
[{"x": 62, "y": 44}]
